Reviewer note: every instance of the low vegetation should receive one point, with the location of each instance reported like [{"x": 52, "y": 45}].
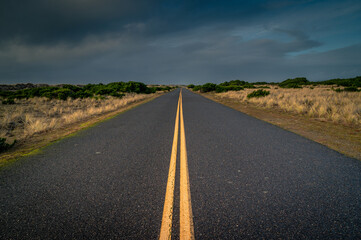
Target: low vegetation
[
  {"x": 4, "y": 145},
  {"x": 39, "y": 114},
  {"x": 234, "y": 85},
  {"x": 63, "y": 92},
  {"x": 320, "y": 102},
  {"x": 294, "y": 83},
  {"x": 328, "y": 112},
  {"x": 347, "y": 84},
  {"x": 258, "y": 93},
  {"x": 335, "y": 100},
  {"x": 344, "y": 82},
  {"x": 31, "y": 111}
]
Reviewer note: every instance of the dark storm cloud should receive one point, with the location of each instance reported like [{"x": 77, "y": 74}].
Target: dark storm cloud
[
  {"x": 49, "y": 21},
  {"x": 177, "y": 41}
]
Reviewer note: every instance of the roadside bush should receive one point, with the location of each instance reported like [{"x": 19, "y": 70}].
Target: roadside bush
[
  {"x": 258, "y": 93},
  {"x": 294, "y": 82},
  {"x": 8, "y": 101},
  {"x": 105, "y": 91},
  {"x": 346, "y": 89},
  {"x": 5, "y": 146},
  {"x": 260, "y": 83},
  {"x": 197, "y": 88},
  {"x": 208, "y": 87},
  {"x": 5, "y": 94},
  {"x": 344, "y": 82},
  {"x": 167, "y": 88},
  {"x": 72, "y": 87},
  {"x": 136, "y": 87},
  {"x": 221, "y": 88},
  {"x": 350, "y": 89},
  {"x": 116, "y": 89},
  {"x": 234, "y": 83},
  {"x": 118, "y": 95},
  {"x": 61, "y": 94},
  {"x": 83, "y": 94}
]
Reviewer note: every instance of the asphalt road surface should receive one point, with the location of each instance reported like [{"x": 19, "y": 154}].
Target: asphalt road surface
[{"x": 248, "y": 180}]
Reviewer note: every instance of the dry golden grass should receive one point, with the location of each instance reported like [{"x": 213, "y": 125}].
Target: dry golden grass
[
  {"x": 320, "y": 103},
  {"x": 38, "y": 115}
]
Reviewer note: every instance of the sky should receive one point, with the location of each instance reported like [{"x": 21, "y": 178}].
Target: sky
[{"x": 178, "y": 42}]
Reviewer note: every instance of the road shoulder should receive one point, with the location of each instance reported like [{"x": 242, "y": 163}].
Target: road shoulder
[
  {"x": 34, "y": 144},
  {"x": 343, "y": 139}
]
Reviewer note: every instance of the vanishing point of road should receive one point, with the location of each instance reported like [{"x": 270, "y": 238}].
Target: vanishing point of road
[{"x": 182, "y": 167}]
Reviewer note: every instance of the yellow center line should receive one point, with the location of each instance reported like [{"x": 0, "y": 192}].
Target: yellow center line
[
  {"x": 186, "y": 216},
  {"x": 166, "y": 228}
]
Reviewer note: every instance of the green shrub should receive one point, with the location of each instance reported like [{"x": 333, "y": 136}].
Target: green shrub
[
  {"x": 220, "y": 88},
  {"x": 83, "y": 94},
  {"x": 105, "y": 91},
  {"x": 118, "y": 95},
  {"x": 190, "y": 86},
  {"x": 72, "y": 87},
  {"x": 166, "y": 88},
  {"x": 63, "y": 94},
  {"x": 258, "y": 93},
  {"x": 240, "y": 83},
  {"x": 350, "y": 89},
  {"x": 208, "y": 87},
  {"x": 346, "y": 82},
  {"x": 8, "y": 101},
  {"x": 197, "y": 88},
  {"x": 249, "y": 85},
  {"x": 136, "y": 87},
  {"x": 294, "y": 82},
  {"x": 5, "y": 146},
  {"x": 115, "y": 89}
]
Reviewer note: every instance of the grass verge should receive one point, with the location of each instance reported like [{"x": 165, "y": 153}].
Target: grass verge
[
  {"x": 36, "y": 142},
  {"x": 344, "y": 139}
]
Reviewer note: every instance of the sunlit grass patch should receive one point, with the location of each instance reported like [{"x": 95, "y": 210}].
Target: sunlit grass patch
[
  {"x": 36, "y": 115},
  {"x": 319, "y": 102}
]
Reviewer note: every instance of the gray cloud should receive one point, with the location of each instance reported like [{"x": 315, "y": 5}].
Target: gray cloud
[
  {"x": 52, "y": 21},
  {"x": 172, "y": 42}
]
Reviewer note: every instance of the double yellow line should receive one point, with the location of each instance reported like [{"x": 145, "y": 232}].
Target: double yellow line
[{"x": 186, "y": 216}]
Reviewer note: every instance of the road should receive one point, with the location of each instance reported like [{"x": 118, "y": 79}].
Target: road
[{"x": 236, "y": 176}]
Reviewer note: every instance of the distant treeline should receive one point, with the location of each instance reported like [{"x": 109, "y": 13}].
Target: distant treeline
[
  {"x": 63, "y": 92},
  {"x": 349, "y": 84}
]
